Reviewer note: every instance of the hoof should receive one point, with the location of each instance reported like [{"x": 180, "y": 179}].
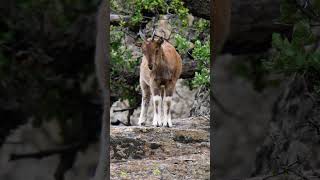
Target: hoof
[
  {"x": 157, "y": 124},
  {"x": 167, "y": 125},
  {"x": 142, "y": 124}
]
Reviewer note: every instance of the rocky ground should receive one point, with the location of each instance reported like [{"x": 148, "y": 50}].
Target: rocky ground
[{"x": 181, "y": 152}]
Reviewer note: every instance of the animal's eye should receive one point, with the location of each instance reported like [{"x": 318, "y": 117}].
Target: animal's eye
[{"x": 150, "y": 66}]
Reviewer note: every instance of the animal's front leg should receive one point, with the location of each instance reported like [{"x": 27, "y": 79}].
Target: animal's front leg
[
  {"x": 144, "y": 110},
  {"x": 167, "y": 103},
  {"x": 145, "y": 103},
  {"x": 157, "y": 110},
  {"x": 167, "y": 111}
]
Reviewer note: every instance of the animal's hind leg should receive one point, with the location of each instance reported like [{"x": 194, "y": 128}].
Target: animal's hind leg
[{"x": 146, "y": 94}]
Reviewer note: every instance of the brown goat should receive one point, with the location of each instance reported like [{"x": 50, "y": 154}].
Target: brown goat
[{"x": 160, "y": 69}]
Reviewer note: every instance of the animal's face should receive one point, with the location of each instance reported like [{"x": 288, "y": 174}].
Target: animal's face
[{"x": 151, "y": 49}]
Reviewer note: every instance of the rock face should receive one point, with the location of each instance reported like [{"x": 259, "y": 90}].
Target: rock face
[
  {"x": 239, "y": 134},
  {"x": 252, "y": 23},
  {"x": 201, "y": 105},
  {"x": 292, "y": 144},
  {"x": 181, "y": 152},
  {"x": 272, "y": 134}
]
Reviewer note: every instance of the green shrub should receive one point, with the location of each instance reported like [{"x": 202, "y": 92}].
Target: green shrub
[
  {"x": 182, "y": 44},
  {"x": 291, "y": 55},
  {"x": 299, "y": 53},
  {"x": 201, "y": 54}
]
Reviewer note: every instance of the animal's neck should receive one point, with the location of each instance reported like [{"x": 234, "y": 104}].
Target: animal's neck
[
  {"x": 160, "y": 62},
  {"x": 161, "y": 68}
]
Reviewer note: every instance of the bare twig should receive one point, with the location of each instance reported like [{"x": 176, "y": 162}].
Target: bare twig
[
  {"x": 316, "y": 126},
  {"x": 131, "y": 111},
  {"x": 13, "y": 142},
  {"x": 118, "y": 122},
  {"x": 179, "y": 94},
  {"x": 274, "y": 175},
  {"x": 45, "y": 153},
  {"x": 298, "y": 174},
  {"x": 126, "y": 109},
  {"x": 308, "y": 10},
  {"x": 225, "y": 110}
]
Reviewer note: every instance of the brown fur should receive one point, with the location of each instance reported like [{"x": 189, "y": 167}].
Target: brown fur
[
  {"x": 160, "y": 69},
  {"x": 166, "y": 66}
]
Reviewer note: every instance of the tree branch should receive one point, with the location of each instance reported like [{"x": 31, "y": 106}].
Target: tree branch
[
  {"x": 45, "y": 153},
  {"x": 115, "y": 19}
]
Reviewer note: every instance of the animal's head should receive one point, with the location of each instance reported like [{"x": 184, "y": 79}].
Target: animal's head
[{"x": 151, "y": 49}]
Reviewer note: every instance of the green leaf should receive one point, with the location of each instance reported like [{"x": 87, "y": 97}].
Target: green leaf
[
  {"x": 288, "y": 11},
  {"x": 302, "y": 34},
  {"x": 276, "y": 40}
]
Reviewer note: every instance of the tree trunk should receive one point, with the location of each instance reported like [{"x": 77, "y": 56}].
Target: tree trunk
[{"x": 102, "y": 73}]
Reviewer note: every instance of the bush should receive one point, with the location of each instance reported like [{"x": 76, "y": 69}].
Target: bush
[{"x": 299, "y": 54}]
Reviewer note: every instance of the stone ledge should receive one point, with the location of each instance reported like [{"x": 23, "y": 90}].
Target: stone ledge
[
  {"x": 192, "y": 166},
  {"x": 134, "y": 142}
]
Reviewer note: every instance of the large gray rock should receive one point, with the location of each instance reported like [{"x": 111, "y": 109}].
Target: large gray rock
[{"x": 201, "y": 106}]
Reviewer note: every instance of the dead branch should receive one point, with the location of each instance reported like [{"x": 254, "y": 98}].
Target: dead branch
[
  {"x": 116, "y": 19},
  {"x": 45, "y": 153}
]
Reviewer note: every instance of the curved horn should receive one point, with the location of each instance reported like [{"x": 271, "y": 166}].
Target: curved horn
[
  {"x": 143, "y": 37},
  {"x": 153, "y": 33},
  {"x": 153, "y": 27}
]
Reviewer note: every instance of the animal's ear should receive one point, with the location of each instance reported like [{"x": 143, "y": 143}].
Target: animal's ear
[{"x": 160, "y": 41}]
